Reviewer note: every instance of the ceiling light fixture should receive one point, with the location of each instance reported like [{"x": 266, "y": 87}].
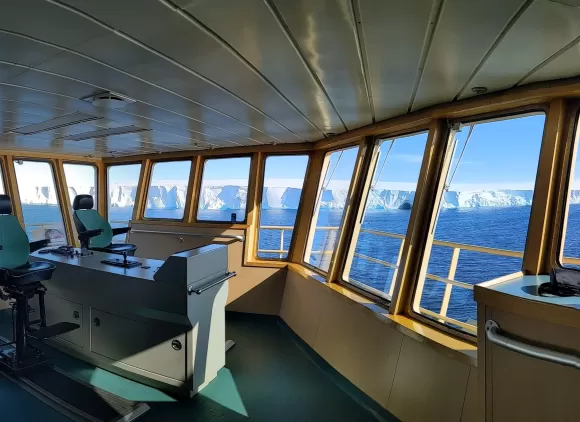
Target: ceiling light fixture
[
  {"x": 109, "y": 99},
  {"x": 103, "y": 133},
  {"x": 56, "y": 123}
]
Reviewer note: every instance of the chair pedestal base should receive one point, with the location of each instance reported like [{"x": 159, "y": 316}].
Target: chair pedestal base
[{"x": 33, "y": 358}]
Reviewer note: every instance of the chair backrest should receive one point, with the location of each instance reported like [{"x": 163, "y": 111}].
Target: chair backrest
[
  {"x": 13, "y": 239},
  {"x": 86, "y": 218}
]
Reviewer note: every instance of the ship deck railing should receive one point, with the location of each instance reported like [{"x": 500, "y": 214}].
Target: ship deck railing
[{"x": 449, "y": 281}]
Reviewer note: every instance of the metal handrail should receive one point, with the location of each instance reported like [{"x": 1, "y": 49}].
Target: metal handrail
[
  {"x": 495, "y": 336},
  {"x": 199, "y": 291},
  {"x": 224, "y": 236}
]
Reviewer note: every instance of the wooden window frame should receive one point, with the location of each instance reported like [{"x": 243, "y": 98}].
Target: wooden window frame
[
  {"x": 188, "y": 191},
  {"x": 251, "y": 184},
  {"x": 259, "y": 198}
]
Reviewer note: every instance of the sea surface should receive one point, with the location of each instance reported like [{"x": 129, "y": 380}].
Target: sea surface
[{"x": 492, "y": 227}]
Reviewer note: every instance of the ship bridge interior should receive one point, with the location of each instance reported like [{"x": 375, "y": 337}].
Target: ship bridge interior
[{"x": 386, "y": 186}]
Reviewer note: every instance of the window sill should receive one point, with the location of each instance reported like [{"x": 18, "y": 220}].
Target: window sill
[{"x": 461, "y": 350}]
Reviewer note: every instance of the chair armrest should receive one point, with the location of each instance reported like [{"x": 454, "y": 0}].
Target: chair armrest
[
  {"x": 86, "y": 235},
  {"x": 38, "y": 244},
  {"x": 121, "y": 230}
]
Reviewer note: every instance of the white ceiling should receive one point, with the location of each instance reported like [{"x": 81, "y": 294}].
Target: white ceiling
[{"x": 225, "y": 73}]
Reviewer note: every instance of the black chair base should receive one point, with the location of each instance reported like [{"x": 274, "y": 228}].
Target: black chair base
[{"x": 33, "y": 358}]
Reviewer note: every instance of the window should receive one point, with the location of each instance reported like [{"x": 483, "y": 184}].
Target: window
[
  {"x": 375, "y": 248},
  {"x": 122, "y": 181},
  {"x": 570, "y": 247},
  {"x": 283, "y": 181},
  {"x": 81, "y": 179},
  {"x": 168, "y": 190},
  {"x": 2, "y": 191},
  {"x": 224, "y": 190},
  {"x": 483, "y": 216},
  {"x": 39, "y": 200},
  {"x": 330, "y": 202}
]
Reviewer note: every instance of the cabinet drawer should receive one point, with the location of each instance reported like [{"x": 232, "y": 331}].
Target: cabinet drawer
[
  {"x": 145, "y": 346},
  {"x": 62, "y": 310}
]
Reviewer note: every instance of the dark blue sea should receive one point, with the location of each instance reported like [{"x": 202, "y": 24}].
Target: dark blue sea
[{"x": 494, "y": 227}]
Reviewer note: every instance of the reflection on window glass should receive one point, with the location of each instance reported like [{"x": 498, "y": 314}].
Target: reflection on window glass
[
  {"x": 372, "y": 265},
  {"x": 168, "y": 190},
  {"x": 283, "y": 181},
  {"x": 81, "y": 179},
  {"x": 224, "y": 190},
  {"x": 486, "y": 203},
  {"x": 570, "y": 249},
  {"x": 329, "y": 208},
  {"x": 40, "y": 207},
  {"x": 122, "y": 181},
  {"x": 2, "y": 191}
]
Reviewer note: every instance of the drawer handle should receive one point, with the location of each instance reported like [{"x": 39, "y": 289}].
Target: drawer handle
[
  {"x": 97, "y": 322},
  {"x": 176, "y": 344},
  {"x": 495, "y": 336}
]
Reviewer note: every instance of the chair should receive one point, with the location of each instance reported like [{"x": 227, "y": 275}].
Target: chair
[
  {"x": 20, "y": 280},
  {"x": 95, "y": 233}
]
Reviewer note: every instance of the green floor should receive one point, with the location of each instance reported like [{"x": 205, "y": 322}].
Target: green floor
[{"x": 270, "y": 375}]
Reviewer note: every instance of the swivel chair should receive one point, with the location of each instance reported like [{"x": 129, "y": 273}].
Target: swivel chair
[
  {"x": 21, "y": 280},
  {"x": 95, "y": 233}
]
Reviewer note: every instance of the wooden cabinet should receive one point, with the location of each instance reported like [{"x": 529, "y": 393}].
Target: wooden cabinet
[{"x": 516, "y": 387}]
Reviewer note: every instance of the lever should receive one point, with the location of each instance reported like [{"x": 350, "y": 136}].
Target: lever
[{"x": 124, "y": 259}]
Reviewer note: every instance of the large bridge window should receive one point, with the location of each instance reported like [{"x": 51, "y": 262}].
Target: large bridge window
[
  {"x": 283, "y": 182},
  {"x": 224, "y": 190},
  {"x": 377, "y": 242},
  {"x": 168, "y": 190},
  {"x": 122, "y": 181},
  {"x": 483, "y": 216},
  {"x": 81, "y": 179},
  {"x": 329, "y": 207},
  {"x": 39, "y": 199}
]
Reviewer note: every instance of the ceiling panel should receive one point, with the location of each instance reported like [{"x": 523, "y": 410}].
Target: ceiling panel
[
  {"x": 164, "y": 30},
  {"x": 208, "y": 103},
  {"x": 566, "y": 65},
  {"x": 543, "y": 29},
  {"x": 464, "y": 34},
  {"x": 190, "y": 114},
  {"x": 252, "y": 30},
  {"x": 325, "y": 32},
  {"x": 394, "y": 33},
  {"x": 42, "y": 20}
]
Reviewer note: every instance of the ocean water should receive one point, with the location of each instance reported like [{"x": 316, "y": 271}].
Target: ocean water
[{"x": 493, "y": 227}]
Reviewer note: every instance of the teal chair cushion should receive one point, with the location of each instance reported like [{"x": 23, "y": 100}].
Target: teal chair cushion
[
  {"x": 15, "y": 247},
  {"x": 92, "y": 220}
]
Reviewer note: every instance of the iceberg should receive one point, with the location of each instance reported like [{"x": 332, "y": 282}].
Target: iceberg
[{"x": 226, "y": 196}]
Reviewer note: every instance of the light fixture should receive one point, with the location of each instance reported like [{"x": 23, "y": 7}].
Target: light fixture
[
  {"x": 56, "y": 123},
  {"x": 109, "y": 99},
  {"x": 103, "y": 133}
]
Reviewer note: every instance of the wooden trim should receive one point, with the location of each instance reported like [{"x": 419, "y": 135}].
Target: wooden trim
[
  {"x": 566, "y": 159},
  {"x": 429, "y": 184},
  {"x": 102, "y": 190},
  {"x": 64, "y": 201},
  {"x": 141, "y": 194},
  {"x": 251, "y": 169},
  {"x": 193, "y": 190},
  {"x": 544, "y": 203},
  {"x": 43, "y": 156},
  {"x": 218, "y": 152},
  {"x": 253, "y": 203},
  {"x": 349, "y": 229},
  {"x": 223, "y": 226},
  {"x": 306, "y": 209},
  {"x": 12, "y": 188},
  {"x": 153, "y": 163}
]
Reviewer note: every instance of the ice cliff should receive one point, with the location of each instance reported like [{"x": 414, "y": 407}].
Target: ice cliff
[{"x": 215, "y": 196}]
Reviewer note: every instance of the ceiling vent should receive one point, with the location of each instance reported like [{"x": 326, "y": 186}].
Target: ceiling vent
[
  {"x": 103, "y": 133},
  {"x": 109, "y": 99},
  {"x": 56, "y": 123}
]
